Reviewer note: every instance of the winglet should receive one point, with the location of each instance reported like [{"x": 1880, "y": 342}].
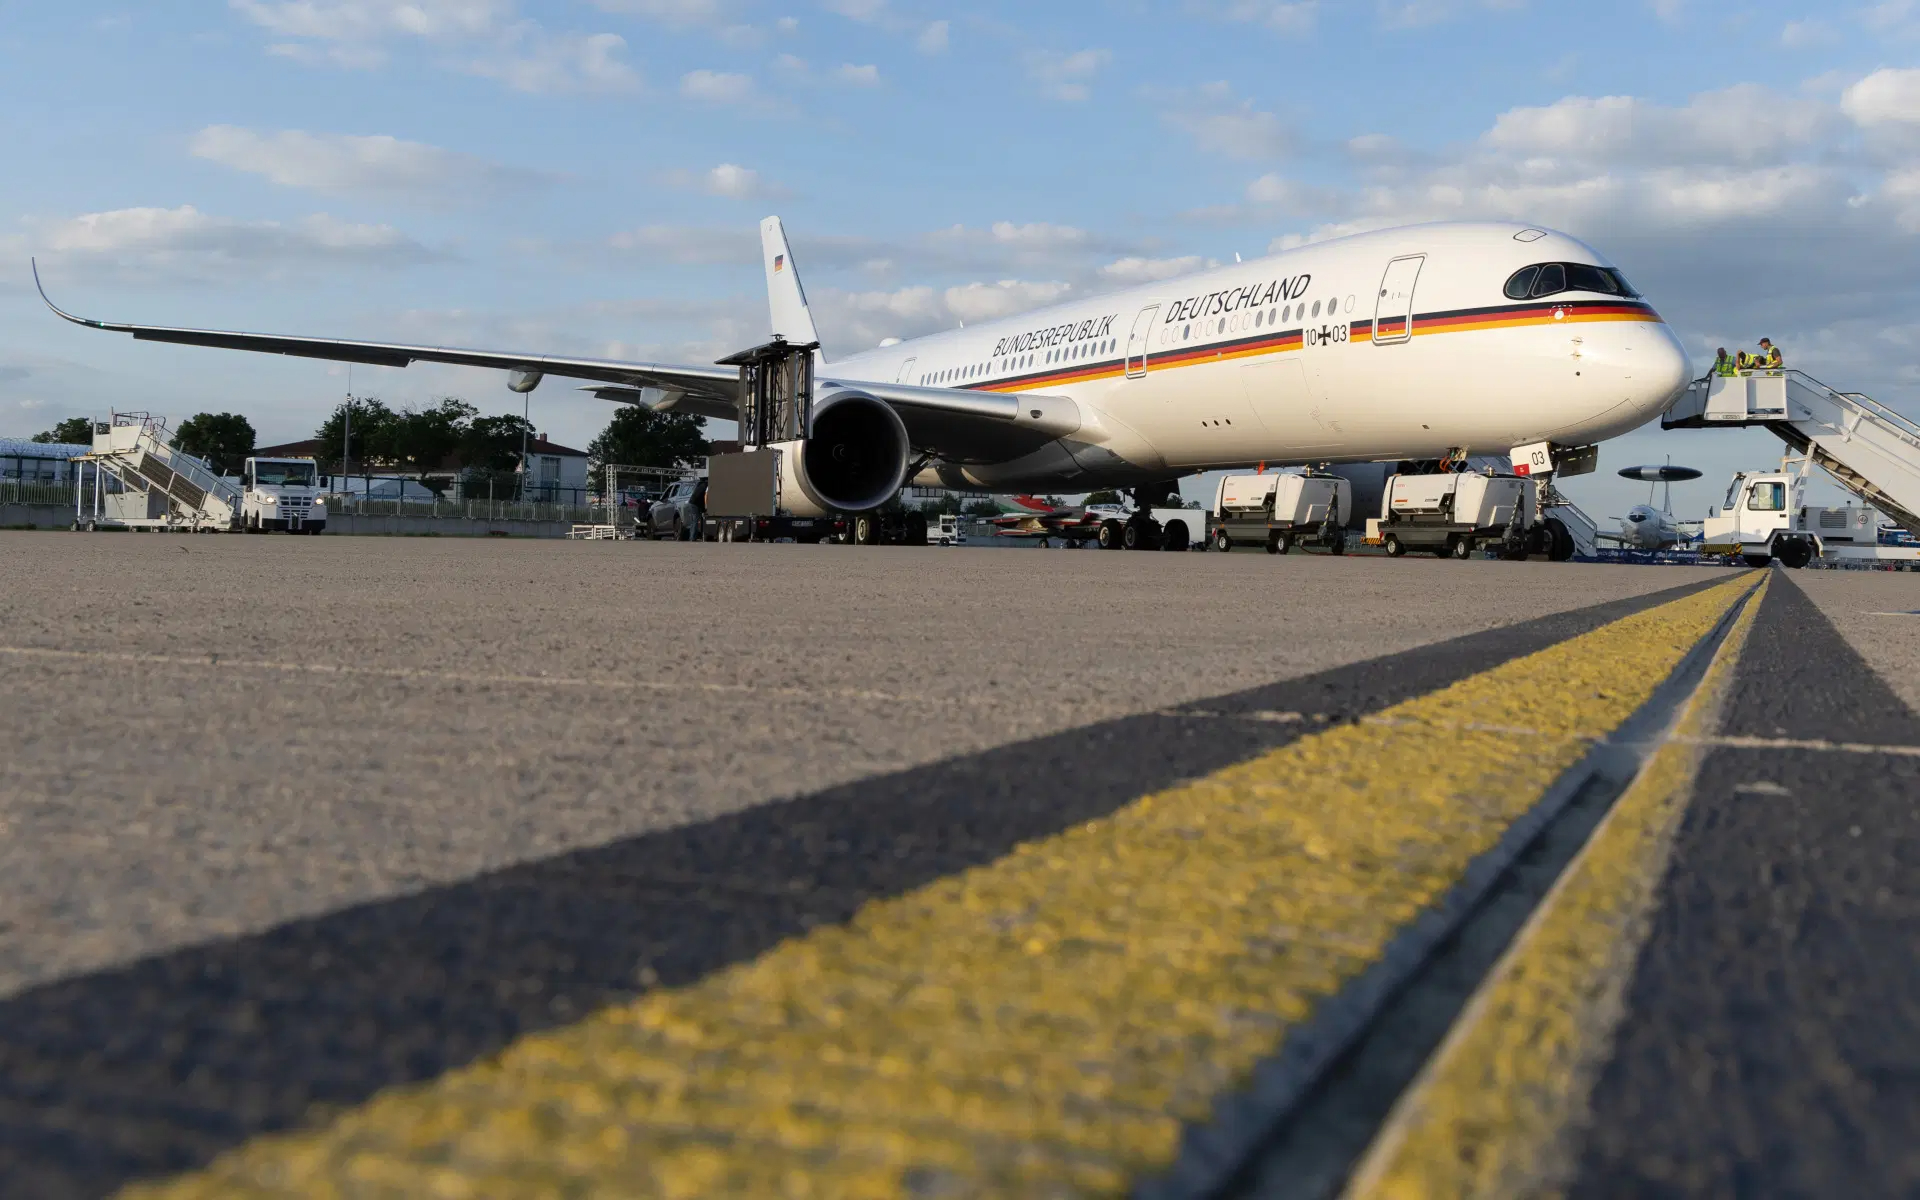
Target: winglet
[
  {"x": 57, "y": 310},
  {"x": 791, "y": 318}
]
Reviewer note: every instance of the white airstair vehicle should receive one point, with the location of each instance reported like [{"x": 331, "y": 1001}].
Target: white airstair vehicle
[
  {"x": 1869, "y": 448},
  {"x": 159, "y": 487}
]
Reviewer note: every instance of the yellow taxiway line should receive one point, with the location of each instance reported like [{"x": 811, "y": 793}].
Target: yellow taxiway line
[
  {"x": 1492, "y": 1113},
  {"x": 1046, "y": 1024}
]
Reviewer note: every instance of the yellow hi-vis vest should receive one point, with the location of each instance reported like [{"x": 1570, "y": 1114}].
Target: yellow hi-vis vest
[{"x": 1723, "y": 366}]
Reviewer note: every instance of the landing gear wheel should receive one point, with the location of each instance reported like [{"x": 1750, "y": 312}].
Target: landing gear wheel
[
  {"x": 1133, "y": 537},
  {"x": 1462, "y": 547},
  {"x": 1221, "y": 541},
  {"x": 1111, "y": 533},
  {"x": 1279, "y": 543},
  {"x": 916, "y": 529},
  {"x": 1174, "y": 537},
  {"x": 1391, "y": 543},
  {"x": 1756, "y": 560},
  {"x": 1560, "y": 545},
  {"x": 866, "y": 530}
]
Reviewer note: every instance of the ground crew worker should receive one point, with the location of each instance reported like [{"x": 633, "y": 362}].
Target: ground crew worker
[
  {"x": 1743, "y": 361},
  {"x": 1769, "y": 356},
  {"x": 1722, "y": 362}
]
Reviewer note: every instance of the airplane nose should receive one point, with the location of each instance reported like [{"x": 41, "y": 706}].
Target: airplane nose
[{"x": 1659, "y": 370}]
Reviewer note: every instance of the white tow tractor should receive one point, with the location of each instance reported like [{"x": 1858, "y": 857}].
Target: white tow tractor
[
  {"x": 1766, "y": 518},
  {"x": 282, "y": 495},
  {"x": 1458, "y": 513},
  {"x": 1279, "y": 510}
]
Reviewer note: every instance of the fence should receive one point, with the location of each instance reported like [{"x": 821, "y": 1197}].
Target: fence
[
  {"x": 15, "y": 492},
  {"x": 473, "y": 510}
]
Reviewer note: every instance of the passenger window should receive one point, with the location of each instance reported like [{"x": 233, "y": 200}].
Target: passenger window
[
  {"x": 1553, "y": 278},
  {"x": 1768, "y": 497},
  {"x": 1259, "y": 320},
  {"x": 1520, "y": 285},
  {"x": 1316, "y": 308}
]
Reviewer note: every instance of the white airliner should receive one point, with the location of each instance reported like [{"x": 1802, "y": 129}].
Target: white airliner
[{"x": 1404, "y": 344}]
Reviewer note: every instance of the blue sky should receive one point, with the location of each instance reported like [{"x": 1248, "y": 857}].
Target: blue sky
[{"x": 586, "y": 176}]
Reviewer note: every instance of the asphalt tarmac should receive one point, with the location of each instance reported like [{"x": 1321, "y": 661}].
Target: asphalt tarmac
[{"x": 289, "y": 820}]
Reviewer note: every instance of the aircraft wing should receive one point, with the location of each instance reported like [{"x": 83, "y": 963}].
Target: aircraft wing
[{"x": 955, "y": 423}]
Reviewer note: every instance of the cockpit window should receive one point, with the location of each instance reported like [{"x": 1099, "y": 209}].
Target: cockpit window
[{"x": 1550, "y": 279}]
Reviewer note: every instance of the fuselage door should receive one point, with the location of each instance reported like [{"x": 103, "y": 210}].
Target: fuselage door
[
  {"x": 1393, "y": 308},
  {"x": 1138, "y": 339},
  {"x": 906, "y": 370}
]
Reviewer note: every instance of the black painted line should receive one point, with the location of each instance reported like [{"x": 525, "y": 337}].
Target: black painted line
[{"x": 157, "y": 1066}]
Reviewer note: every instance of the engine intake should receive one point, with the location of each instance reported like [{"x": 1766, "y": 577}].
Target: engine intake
[{"x": 855, "y": 461}]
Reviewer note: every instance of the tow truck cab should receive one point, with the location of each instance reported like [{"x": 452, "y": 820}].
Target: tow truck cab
[
  {"x": 1765, "y": 517},
  {"x": 283, "y": 494}
]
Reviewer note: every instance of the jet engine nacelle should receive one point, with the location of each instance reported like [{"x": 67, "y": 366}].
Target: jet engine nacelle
[{"x": 855, "y": 461}]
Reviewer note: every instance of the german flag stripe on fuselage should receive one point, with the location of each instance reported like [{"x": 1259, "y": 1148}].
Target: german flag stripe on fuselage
[{"x": 1360, "y": 332}]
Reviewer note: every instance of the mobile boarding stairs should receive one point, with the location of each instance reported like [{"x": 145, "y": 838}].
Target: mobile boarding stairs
[
  {"x": 1871, "y": 449},
  {"x": 159, "y": 487}
]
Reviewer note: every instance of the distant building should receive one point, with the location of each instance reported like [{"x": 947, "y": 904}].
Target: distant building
[
  {"x": 22, "y": 461},
  {"x": 554, "y": 472}
]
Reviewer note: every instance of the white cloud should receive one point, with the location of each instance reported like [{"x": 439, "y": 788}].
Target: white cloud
[
  {"x": 571, "y": 62},
  {"x": 719, "y": 87},
  {"x": 695, "y": 245},
  {"x": 868, "y": 11},
  {"x": 670, "y": 12},
  {"x": 1137, "y": 269},
  {"x": 727, "y": 179},
  {"x": 1067, "y": 77},
  {"x": 986, "y": 301},
  {"x": 1890, "y": 96},
  {"x": 1281, "y": 16},
  {"x": 858, "y": 76},
  {"x": 1801, "y": 35},
  {"x": 343, "y": 163},
  {"x": 932, "y": 39},
  {"x": 185, "y": 242},
  {"x": 1744, "y": 123},
  {"x": 372, "y": 20},
  {"x": 1223, "y": 124}
]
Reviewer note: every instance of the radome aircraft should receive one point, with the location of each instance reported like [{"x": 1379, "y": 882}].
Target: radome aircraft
[
  {"x": 1403, "y": 344},
  {"x": 1646, "y": 527}
]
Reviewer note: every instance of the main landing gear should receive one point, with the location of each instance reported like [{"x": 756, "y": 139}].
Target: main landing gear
[{"x": 1140, "y": 531}]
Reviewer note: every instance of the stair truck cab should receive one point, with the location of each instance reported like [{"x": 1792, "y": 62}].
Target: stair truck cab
[
  {"x": 1458, "y": 513},
  {"x": 1765, "y": 518},
  {"x": 1279, "y": 510},
  {"x": 282, "y": 495}
]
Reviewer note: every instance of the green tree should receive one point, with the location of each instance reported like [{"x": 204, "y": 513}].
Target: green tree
[
  {"x": 640, "y": 437},
  {"x": 422, "y": 440},
  {"x": 225, "y": 440},
  {"x": 74, "y": 431},
  {"x": 1104, "y": 496},
  {"x": 369, "y": 424},
  {"x": 982, "y": 508},
  {"x": 490, "y": 455}
]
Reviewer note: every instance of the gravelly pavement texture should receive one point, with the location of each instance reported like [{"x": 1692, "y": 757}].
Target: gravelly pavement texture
[
  {"x": 503, "y": 701},
  {"x": 291, "y": 820},
  {"x": 1771, "y": 1044}
]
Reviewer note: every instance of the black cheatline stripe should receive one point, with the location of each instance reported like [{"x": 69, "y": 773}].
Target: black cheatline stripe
[
  {"x": 157, "y": 1066},
  {"x": 1771, "y": 1044},
  {"x": 1531, "y": 308}
]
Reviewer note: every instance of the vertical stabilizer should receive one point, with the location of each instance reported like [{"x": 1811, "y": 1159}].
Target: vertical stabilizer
[{"x": 785, "y": 296}]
